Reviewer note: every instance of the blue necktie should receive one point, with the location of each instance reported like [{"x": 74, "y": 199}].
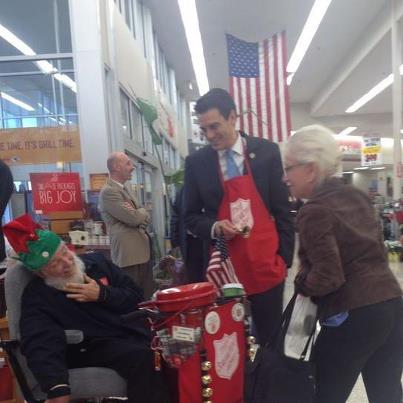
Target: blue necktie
[{"x": 232, "y": 168}]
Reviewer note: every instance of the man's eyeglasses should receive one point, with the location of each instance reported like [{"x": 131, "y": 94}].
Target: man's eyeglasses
[{"x": 291, "y": 167}]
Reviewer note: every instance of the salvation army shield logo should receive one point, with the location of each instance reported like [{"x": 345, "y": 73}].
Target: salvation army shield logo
[
  {"x": 226, "y": 355},
  {"x": 241, "y": 213}
]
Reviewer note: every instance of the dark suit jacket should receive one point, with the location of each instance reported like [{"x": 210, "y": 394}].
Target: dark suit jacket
[
  {"x": 204, "y": 190},
  {"x": 177, "y": 223},
  {"x": 6, "y": 189}
]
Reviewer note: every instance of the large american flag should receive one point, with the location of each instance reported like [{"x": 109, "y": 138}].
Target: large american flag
[
  {"x": 258, "y": 85},
  {"x": 220, "y": 270}
]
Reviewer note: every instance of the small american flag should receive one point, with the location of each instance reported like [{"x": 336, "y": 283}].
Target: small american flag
[
  {"x": 220, "y": 270},
  {"x": 258, "y": 85}
]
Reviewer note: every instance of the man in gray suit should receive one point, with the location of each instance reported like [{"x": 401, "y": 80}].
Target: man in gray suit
[{"x": 126, "y": 223}]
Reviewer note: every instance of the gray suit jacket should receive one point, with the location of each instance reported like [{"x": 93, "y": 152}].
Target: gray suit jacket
[{"x": 126, "y": 225}]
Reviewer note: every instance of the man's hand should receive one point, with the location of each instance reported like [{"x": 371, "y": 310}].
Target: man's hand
[
  {"x": 128, "y": 206},
  {"x": 60, "y": 399},
  {"x": 226, "y": 228},
  {"x": 87, "y": 292}
]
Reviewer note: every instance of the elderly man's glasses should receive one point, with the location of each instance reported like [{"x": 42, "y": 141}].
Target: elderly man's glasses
[{"x": 291, "y": 167}]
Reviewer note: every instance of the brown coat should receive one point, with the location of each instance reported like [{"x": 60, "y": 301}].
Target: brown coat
[{"x": 342, "y": 250}]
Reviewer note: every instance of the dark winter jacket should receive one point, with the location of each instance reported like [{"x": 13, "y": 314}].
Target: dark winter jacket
[{"x": 46, "y": 313}]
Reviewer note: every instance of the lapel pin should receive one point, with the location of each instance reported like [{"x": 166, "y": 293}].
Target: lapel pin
[{"x": 252, "y": 155}]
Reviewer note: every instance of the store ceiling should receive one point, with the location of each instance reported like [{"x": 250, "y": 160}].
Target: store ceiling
[{"x": 349, "y": 54}]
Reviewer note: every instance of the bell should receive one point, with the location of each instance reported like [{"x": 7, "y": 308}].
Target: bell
[
  {"x": 207, "y": 392},
  {"x": 252, "y": 353},
  {"x": 251, "y": 340},
  {"x": 206, "y": 366},
  {"x": 206, "y": 379},
  {"x": 245, "y": 232},
  {"x": 207, "y": 401}
]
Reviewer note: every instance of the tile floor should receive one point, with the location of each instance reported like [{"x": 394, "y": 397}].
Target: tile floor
[{"x": 358, "y": 394}]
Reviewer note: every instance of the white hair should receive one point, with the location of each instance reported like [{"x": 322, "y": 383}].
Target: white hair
[
  {"x": 77, "y": 277},
  {"x": 315, "y": 144}
]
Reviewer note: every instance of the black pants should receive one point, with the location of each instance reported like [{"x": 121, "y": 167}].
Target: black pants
[
  {"x": 132, "y": 359},
  {"x": 370, "y": 342},
  {"x": 142, "y": 275},
  {"x": 267, "y": 308}
]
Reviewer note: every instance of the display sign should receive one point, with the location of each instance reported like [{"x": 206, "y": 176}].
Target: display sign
[
  {"x": 349, "y": 145},
  {"x": 97, "y": 181},
  {"x": 40, "y": 145},
  {"x": 56, "y": 192},
  {"x": 371, "y": 151}
]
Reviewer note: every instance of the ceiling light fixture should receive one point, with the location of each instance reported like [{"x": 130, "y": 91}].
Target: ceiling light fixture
[
  {"x": 377, "y": 168},
  {"x": 347, "y": 172},
  {"x": 17, "y": 102},
  {"x": 43, "y": 65},
  {"x": 44, "y": 108},
  {"x": 190, "y": 21},
  {"x": 373, "y": 92},
  {"x": 308, "y": 32},
  {"x": 289, "y": 78},
  {"x": 67, "y": 81},
  {"x": 361, "y": 168},
  {"x": 347, "y": 130},
  {"x": 13, "y": 40}
]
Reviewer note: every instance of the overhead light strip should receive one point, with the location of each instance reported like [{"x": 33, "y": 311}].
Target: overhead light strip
[
  {"x": 190, "y": 21},
  {"x": 17, "y": 102},
  {"x": 43, "y": 65},
  {"x": 373, "y": 92},
  {"x": 312, "y": 23},
  {"x": 347, "y": 130}
]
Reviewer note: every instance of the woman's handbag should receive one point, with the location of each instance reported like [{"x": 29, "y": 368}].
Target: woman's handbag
[
  {"x": 303, "y": 318},
  {"x": 275, "y": 378}
]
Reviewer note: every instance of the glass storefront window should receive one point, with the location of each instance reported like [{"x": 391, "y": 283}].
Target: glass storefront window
[
  {"x": 148, "y": 143},
  {"x": 46, "y": 27},
  {"x": 36, "y": 99},
  {"x": 125, "y": 117},
  {"x": 136, "y": 124}
]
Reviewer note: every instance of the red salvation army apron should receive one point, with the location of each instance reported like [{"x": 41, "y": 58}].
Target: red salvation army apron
[{"x": 255, "y": 259}]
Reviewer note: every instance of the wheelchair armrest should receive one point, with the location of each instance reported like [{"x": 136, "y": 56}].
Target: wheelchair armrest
[
  {"x": 74, "y": 336},
  {"x": 11, "y": 347}
]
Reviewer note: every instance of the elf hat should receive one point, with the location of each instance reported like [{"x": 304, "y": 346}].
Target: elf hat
[{"x": 35, "y": 246}]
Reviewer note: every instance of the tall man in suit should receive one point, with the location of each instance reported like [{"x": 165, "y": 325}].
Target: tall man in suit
[
  {"x": 233, "y": 186},
  {"x": 126, "y": 223}
]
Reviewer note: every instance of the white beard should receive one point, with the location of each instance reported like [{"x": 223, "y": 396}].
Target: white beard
[{"x": 77, "y": 277}]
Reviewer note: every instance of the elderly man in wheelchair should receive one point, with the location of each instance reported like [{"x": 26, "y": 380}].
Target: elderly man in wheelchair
[{"x": 88, "y": 294}]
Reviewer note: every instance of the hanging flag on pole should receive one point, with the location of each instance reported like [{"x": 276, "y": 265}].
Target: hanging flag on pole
[{"x": 257, "y": 74}]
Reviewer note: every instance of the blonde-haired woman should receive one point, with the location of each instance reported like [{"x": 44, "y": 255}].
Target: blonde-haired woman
[{"x": 345, "y": 269}]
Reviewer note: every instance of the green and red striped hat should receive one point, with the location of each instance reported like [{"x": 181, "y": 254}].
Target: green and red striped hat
[{"x": 34, "y": 245}]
